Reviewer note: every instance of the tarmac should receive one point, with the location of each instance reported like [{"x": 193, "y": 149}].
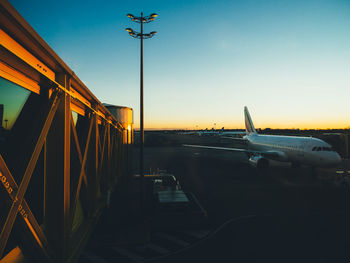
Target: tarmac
[{"x": 282, "y": 215}]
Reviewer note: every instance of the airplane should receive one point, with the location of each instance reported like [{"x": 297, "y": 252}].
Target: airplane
[{"x": 297, "y": 150}]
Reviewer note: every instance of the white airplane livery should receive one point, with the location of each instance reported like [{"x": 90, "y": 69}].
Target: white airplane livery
[{"x": 294, "y": 149}]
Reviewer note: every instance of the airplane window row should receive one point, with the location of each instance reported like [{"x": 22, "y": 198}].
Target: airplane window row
[
  {"x": 322, "y": 149},
  {"x": 286, "y": 146}
]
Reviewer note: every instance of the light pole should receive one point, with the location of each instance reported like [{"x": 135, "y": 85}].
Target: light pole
[{"x": 141, "y": 20}]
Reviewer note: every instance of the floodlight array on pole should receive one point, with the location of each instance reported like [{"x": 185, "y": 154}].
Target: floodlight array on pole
[{"x": 141, "y": 20}]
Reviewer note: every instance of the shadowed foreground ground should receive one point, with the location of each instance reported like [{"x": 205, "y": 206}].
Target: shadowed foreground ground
[{"x": 282, "y": 215}]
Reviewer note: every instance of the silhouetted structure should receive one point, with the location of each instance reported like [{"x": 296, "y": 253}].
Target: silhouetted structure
[{"x": 1, "y": 114}]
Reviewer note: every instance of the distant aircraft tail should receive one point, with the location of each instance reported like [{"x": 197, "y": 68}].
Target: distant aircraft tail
[{"x": 249, "y": 126}]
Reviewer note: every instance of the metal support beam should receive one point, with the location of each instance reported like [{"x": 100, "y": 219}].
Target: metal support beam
[
  {"x": 66, "y": 190},
  {"x": 24, "y": 210},
  {"x": 5, "y": 233},
  {"x": 39, "y": 155},
  {"x": 57, "y": 189}
]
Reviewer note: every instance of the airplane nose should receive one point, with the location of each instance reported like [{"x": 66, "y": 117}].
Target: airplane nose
[
  {"x": 332, "y": 160},
  {"x": 336, "y": 159}
]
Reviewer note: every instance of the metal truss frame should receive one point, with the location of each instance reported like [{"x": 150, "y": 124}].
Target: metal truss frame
[{"x": 81, "y": 162}]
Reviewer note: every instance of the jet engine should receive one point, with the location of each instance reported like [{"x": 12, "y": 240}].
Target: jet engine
[{"x": 258, "y": 161}]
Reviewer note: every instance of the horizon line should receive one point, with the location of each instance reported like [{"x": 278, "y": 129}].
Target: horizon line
[{"x": 182, "y": 129}]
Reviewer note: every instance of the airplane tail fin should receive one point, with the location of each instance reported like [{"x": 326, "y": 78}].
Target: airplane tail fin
[{"x": 249, "y": 126}]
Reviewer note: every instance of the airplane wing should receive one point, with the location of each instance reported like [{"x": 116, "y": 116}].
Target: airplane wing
[
  {"x": 238, "y": 140},
  {"x": 267, "y": 154},
  {"x": 233, "y": 134}
]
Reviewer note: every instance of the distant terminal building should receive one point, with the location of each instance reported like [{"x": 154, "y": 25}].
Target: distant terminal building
[{"x": 125, "y": 116}]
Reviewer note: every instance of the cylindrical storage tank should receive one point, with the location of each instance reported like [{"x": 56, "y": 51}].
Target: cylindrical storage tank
[{"x": 125, "y": 116}]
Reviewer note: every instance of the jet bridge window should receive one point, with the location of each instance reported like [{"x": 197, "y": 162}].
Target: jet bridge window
[{"x": 12, "y": 100}]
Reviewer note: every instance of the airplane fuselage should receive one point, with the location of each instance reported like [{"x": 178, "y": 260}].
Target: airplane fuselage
[
  {"x": 300, "y": 150},
  {"x": 294, "y": 149}
]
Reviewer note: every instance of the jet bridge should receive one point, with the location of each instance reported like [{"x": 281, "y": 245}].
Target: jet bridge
[{"x": 61, "y": 150}]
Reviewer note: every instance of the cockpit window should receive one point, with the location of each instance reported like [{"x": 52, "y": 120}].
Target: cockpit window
[{"x": 326, "y": 149}]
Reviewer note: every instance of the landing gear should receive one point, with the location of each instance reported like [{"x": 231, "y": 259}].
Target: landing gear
[{"x": 262, "y": 164}]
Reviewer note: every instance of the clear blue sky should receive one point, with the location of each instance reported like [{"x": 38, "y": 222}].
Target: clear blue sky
[{"x": 288, "y": 61}]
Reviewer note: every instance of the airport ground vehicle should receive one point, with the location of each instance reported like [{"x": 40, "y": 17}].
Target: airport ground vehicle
[{"x": 343, "y": 179}]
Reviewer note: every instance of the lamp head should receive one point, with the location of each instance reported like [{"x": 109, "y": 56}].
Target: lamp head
[
  {"x": 130, "y": 16},
  {"x": 153, "y": 33},
  {"x": 154, "y": 15},
  {"x": 129, "y": 30}
]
